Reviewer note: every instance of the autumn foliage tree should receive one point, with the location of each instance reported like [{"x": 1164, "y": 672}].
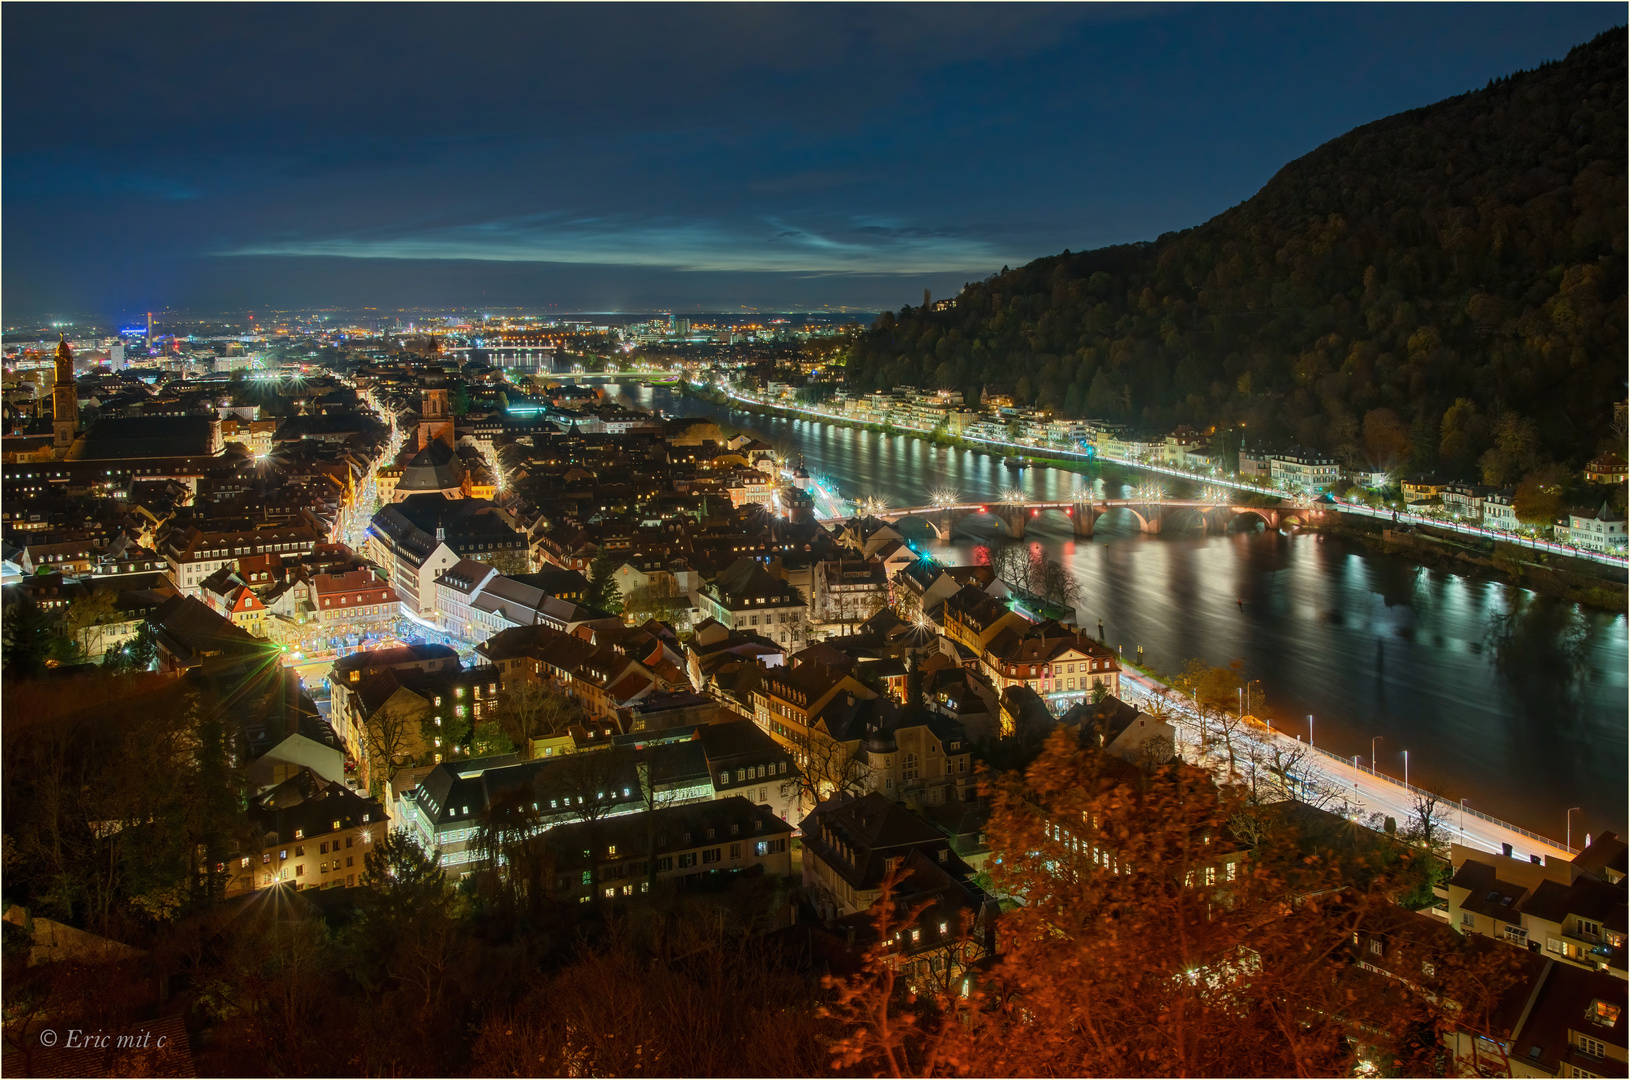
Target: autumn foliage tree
[{"x": 1149, "y": 941}]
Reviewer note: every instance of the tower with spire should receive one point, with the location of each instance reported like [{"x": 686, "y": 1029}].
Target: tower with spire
[
  {"x": 435, "y": 414},
  {"x": 64, "y": 401}
]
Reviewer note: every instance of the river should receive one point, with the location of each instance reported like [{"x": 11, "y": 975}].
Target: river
[{"x": 1515, "y": 701}]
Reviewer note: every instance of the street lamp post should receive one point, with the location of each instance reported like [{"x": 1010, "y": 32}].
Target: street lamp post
[
  {"x": 1310, "y": 729},
  {"x": 1355, "y": 778},
  {"x": 1569, "y": 841},
  {"x": 1462, "y": 817},
  {"x": 1406, "y": 770},
  {"x": 1372, "y": 754}
]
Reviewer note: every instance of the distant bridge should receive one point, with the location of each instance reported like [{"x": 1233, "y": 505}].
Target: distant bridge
[{"x": 1083, "y": 514}]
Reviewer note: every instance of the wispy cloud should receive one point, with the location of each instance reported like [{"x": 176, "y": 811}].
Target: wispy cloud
[{"x": 770, "y": 245}]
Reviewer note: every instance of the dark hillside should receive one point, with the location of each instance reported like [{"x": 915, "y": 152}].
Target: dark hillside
[{"x": 1444, "y": 288}]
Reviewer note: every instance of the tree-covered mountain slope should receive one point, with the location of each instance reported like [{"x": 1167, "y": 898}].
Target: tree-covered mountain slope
[{"x": 1444, "y": 288}]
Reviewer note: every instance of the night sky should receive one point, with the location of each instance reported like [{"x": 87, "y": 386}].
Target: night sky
[{"x": 213, "y": 158}]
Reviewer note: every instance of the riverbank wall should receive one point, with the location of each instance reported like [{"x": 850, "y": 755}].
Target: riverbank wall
[{"x": 1577, "y": 580}]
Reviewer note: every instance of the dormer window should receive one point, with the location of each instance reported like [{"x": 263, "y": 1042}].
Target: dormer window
[{"x": 1603, "y": 1012}]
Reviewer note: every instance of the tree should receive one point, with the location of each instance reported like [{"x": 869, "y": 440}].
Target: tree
[
  {"x": 488, "y": 737},
  {"x": 1387, "y": 442},
  {"x": 1515, "y": 450},
  {"x": 26, "y": 634},
  {"x": 1018, "y": 565},
  {"x": 604, "y": 593},
  {"x": 273, "y": 990},
  {"x": 1150, "y": 944},
  {"x": 89, "y": 609},
  {"x": 1462, "y": 432},
  {"x": 887, "y": 1027},
  {"x": 826, "y": 768},
  {"x": 1058, "y": 585},
  {"x": 1214, "y": 692},
  {"x": 519, "y": 871},
  {"x": 529, "y": 710},
  {"x": 669, "y": 991},
  {"x": 406, "y": 930},
  {"x": 656, "y": 602},
  {"x": 1412, "y": 221},
  {"x": 391, "y": 731},
  {"x": 596, "y": 781},
  {"x": 96, "y": 843},
  {"x": 1539, "y": 498},
  {"x": 1427, "y": 826}
]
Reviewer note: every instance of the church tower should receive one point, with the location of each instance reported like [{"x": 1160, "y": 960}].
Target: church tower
[
  {"x": 435, "y": 417},
  {"x": 64, "y": 401}
]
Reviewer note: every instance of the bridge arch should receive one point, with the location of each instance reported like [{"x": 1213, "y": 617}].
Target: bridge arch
[
  {"x": 928, "y": 518},
  {"x": 992, "y": 513},
  {"x": 1268, "y": 517},
  {"x": 1037, "y": 513},
  {"x": 1144, "y": 520}
]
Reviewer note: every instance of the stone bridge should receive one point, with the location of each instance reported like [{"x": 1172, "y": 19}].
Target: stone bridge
[{"x": 1084, "y": 514}]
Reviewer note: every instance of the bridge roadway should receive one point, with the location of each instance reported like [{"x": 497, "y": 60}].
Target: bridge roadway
[{"x": 1084, "y": 513}]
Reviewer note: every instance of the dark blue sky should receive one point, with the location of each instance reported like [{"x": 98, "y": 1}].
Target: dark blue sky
[{"x": 632, "y": 157}]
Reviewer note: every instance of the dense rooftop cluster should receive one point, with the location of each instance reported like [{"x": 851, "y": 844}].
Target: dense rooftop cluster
[{"x": 415, "y": 632}]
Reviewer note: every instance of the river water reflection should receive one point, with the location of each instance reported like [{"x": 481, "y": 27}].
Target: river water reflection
[{"x": 1515, "y": 701}]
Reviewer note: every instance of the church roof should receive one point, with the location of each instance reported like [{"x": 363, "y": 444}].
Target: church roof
[{"x": 435, "y": 468}]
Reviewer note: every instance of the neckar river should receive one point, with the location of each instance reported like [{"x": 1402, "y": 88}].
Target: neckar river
[{"x": 1514, "y": 701}]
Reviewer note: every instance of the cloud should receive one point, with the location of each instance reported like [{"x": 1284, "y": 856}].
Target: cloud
[
  {"x": 773, "y": 246},
  {"x": 811, "y": 180}
]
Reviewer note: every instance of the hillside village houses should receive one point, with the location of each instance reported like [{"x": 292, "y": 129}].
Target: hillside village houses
[{"x": 1295, "y": 469}]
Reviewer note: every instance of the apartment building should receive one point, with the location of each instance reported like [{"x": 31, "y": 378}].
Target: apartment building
[
  {"x": 1302, "y": 469},
  {"x": 1595, "y": 530},
  {"x": 193, "y": 553},
  {"x": 744, "y": 596},
  {"x": 848, "y": 739},
  {"x": 850, "y": 844},
  {"x": 622, "y": 857},
  {"x": 354, "y": 602},
  {"x": 444, "y": 811},
  {"x": 424, "y": 535},
  {"x": 312, "y": 834},
  {"x": 1571, "y": 911}
]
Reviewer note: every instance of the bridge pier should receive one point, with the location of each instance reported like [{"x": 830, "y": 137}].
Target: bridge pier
[
  {"x": 1015, "y": 517},
  {"x": 1083, "y": 519},
  {"x": 1150, "y": 519},
  {"x": 946, "y": 524}
]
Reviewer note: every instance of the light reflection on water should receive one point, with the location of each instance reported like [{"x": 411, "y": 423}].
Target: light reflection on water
[{"x": 1513, "y": 700}]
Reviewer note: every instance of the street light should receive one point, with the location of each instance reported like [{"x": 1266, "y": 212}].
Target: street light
[
  {"x": 1406, "y": 770},
  {"x": 1372, "y": 754},
  {"x": 1571, "y": 809},
  {"x": 1309, "y": 729},
  {"x": 1462, "y": 817}
]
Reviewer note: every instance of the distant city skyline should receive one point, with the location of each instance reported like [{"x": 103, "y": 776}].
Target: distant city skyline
[{"x": 642, "y": 159}]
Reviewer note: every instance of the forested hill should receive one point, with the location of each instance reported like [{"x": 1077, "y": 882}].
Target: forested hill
[{"x": 1444, "y": 288}]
